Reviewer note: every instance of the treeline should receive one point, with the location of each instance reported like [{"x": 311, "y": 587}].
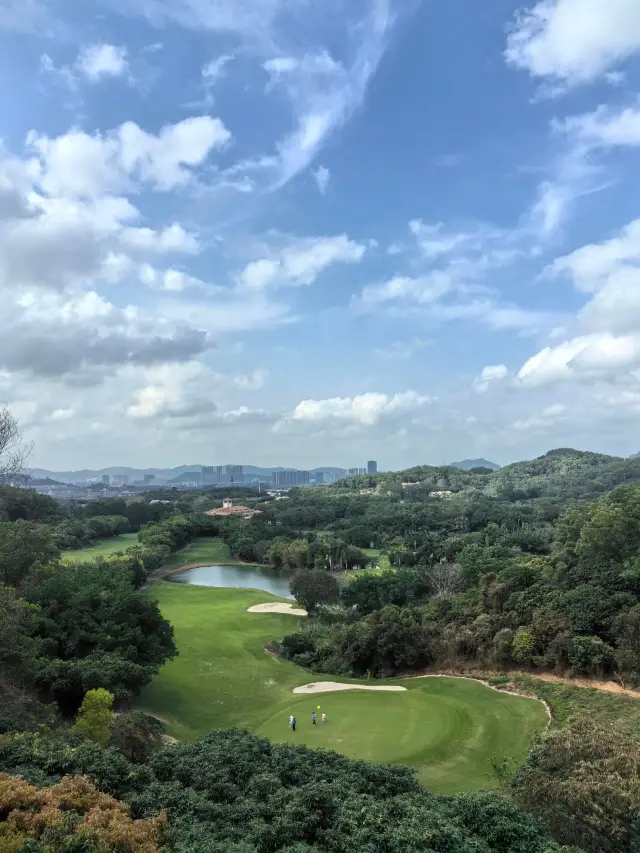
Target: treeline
[
  {"x": 67, "y": 628},
  {"x": 235, "y": 793},
  {"x": 560, "y": 476},
  {"x": 492, "y": 602}
]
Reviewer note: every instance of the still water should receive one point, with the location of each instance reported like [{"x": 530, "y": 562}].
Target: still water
[{"x": 246, "y": 577}]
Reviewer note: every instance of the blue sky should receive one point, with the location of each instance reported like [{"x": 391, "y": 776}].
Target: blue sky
[{"x": 300, "y": 232}]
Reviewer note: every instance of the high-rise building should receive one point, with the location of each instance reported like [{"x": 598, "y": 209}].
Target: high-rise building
[
  {"x": 120, "y": 480},
  {"x": 148, "y": 478},
  {"x": 372, "y": 467},
  {"x": 106, "y": 479},
  {"x": 353, "y": 472},
  {"x": 291, "y": 478},
  {"x": 319, "y": 478},
  {"x": 209, "y": 475},
  {"x": 234, "y": 474}
]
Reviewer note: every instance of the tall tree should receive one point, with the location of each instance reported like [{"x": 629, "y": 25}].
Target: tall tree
[{"x": 13, "y": 451}]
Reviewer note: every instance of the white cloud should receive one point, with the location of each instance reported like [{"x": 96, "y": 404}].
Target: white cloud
[
  {"x": 589, "y": 357},
  {"x": 591, "y": 265},
  {"x": 188, "y": 390},
  {"x": 80, "y": 165},
  {"x": 435, "y": 240},
  {"x": 62, "y": 414},
  {"x": 98, "y": 61},
  {"x": 402, "y": 349},
  {"x": 363, "y": 409},
  {"x": 168, "y": 393},
  {"x": 253, "y": 381},
  {"x": 605, "y": 127},
  {"x": 211, "y": 73},
  {"x": 322, "y": 176},
  {"x": 322, "y": 91},
  {"x": 171, "y": 280},
  {"x": 420, "y": 290},
  {"x": 213, "y": 70},
  {"x": 490, "y": 376},
  {"x": 574, "y": 41},
  {"x": 547, "y": 419},
  {"x": 301, "y": 262}
]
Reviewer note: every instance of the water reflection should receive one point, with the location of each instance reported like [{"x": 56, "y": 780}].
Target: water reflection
[{"x": 243, "y": 577}]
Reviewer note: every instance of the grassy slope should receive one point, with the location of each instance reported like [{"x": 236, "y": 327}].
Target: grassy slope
[
  {"x": 567, "y": 701},
  {"x": 447, "y": 728},
  {"x": 102, "y": 548},
  {"x": 201, "y": 551}
]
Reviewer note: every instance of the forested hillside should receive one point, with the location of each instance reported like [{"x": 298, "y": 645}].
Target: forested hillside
[
  {"x": 536, "y": 566},
  {"x": 562, "y": 475}
]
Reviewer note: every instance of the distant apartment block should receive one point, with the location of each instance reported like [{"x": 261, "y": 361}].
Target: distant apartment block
[
  {"x": 319, "y": 478},
  {"x": 120, "y": 480},
  {"x": 223, "y": 475},
  {"x": 106, "y": 479},
  {"x": 148, "y": 478},
  {"x": 291, "y": 478},
  {"x": 372, "y": 467}
]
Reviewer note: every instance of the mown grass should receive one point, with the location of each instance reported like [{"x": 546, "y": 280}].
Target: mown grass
[
  {"x": 103, "y": 548},
  {"x": 447, "y": 728},
  {"x": 203, "y": 550}
]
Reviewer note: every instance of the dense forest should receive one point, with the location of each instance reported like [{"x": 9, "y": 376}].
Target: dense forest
[{"x": 535, "y": 567}]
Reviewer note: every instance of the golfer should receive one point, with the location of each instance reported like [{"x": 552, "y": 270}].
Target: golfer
[
  {"x": 313, "y": 719},
  {"x": 290, "y": 720},
  {"x": 293, "y": 723},
  {"x": 324, "y": 717}
]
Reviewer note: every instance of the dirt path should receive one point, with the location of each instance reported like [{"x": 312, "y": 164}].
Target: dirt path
[
  {"x": 606, "y": 686},
  {"x": 589, "y": 683}
]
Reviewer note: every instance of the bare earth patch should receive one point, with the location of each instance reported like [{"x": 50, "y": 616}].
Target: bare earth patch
[
  {"x": 277, "y": 607},
  {"x": 333, "y": 686}
]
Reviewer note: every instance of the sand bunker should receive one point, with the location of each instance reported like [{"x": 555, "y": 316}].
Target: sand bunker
[
  {"x": 277, "y": 607},
  {"x": 332, "y": 686}
]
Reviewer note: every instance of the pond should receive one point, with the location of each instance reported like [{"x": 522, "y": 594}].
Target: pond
[{"x": 245, "y": 577}]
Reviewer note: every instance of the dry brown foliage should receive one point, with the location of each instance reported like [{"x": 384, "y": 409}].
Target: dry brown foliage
[{"x": 75, "y": 806}]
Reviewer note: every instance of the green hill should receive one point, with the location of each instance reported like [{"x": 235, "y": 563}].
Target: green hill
[{"x": 563, "y": 473}]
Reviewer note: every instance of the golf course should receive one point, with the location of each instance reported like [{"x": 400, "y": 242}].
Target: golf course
[
  {"x": 448, "y": 728},
  {"x": 102, "y": 548}
]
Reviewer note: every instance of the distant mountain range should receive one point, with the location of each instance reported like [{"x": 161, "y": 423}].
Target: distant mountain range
[
  {"x": 179, "y": 474},
  {"x": 468, "y": 464}
]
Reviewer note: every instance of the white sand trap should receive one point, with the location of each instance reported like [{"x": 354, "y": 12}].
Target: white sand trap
[
  {"x": 277, "y": 607},
  {"x": 333, "y": 686}
]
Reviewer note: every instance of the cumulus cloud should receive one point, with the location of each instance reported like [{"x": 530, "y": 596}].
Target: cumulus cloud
[
  {"x": 300, "y": 262},
  {"x": 586, "y": 358},
  {"x": 604, "y": 127},
  {"x": 362, "y": 410},
  {"x": 191, "y": 391},
  {"x": 55, "y": 336},
  {"x": 490, "y": 376},
  {"x": 574, "y": 41},
  {"x": 97, "y": 61},
  {"x": 81, "y": 165}
]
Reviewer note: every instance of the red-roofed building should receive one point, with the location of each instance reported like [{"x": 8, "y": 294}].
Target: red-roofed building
[{"x": 228, "y": 510}]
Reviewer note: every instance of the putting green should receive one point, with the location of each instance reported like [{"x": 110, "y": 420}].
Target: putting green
[{"x": 447, "y": 728}]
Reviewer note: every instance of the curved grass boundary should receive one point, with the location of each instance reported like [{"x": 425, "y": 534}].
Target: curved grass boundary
[{"x": 447, "y": 728}]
